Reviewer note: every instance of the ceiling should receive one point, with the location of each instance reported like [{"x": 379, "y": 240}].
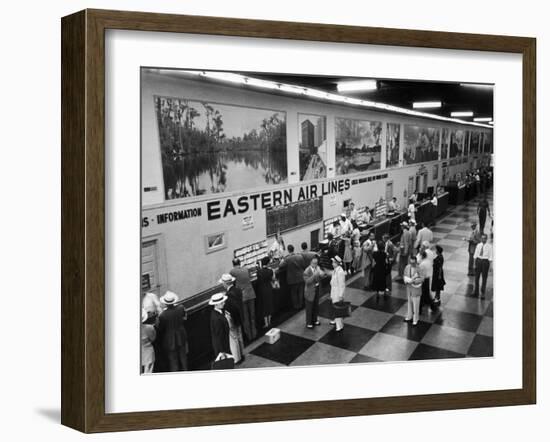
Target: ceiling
[{"x": 454, "y": 96}]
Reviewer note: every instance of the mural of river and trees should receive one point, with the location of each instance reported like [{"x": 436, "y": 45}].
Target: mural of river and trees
[
  {"x": 392, "y": 144},
  {"x": 445, "y": 143},
  {"x": 312, "y": 139},
  {"x": 421, "y": 144},
  {"x": 358, "y": 145},
  {"x": 457, "y": 143},
  {"x": 213, "y": 148}
]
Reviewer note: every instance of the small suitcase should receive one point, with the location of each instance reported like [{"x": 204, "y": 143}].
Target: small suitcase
[{"x": 342, "y": 309}]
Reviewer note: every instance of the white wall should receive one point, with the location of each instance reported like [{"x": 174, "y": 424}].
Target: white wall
[{"x": 30, "y": 373}]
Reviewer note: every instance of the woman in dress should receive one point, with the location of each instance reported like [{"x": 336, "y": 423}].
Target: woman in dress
[
  {"x": 337, "y": 288},
  {"x": 348, "y": 254},
  {"x": 411, "y": 210},
  {"x": 438, "y": 278},
  {"x": 379, "y": 269},
  {"x": 357, "y": 254},
  {"x": 264, "y": 291}
]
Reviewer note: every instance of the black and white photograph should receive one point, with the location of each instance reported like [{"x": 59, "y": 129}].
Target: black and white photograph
[
  {"x": 280, "y": 227},
  {"x": 313, "y": 146}
]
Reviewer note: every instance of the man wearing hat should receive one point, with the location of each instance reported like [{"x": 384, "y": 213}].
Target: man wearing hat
[
  {"x": 242, "y": 277},
  {"x": 234, "y": 306},
  {"x": 294, "y": 265},
  {"x": 219, "y": 327},
  {"x": 171, "y": 334},
  {"x": 405, "y": 246}
]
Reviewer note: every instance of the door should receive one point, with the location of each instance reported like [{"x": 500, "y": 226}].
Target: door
[
  {"x": 389, "y": 191},
  {"x": 149, "y": 267}
]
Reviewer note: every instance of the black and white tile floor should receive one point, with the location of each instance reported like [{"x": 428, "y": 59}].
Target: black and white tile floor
[{"x": 462, "y": 327}]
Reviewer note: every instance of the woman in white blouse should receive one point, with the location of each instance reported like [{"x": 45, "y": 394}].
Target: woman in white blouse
[
  {"x": 337, "y": 288},
  {"x": 412, "y": 210}
]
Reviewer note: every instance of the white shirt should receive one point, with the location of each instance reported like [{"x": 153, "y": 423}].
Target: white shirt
[
  {"x": 484, "y": 251},
  {"x": 353, "y": 215},
  {"x": 277, "y": 250},
  {"x": 427, "y": 264},
  {"x": 412, "y": 209},
  {"x": 337, "y": 284},
  {"x": 346, "y": 226}
]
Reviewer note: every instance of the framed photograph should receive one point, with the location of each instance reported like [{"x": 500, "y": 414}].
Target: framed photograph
[
  {"x": 215, "y": 242},
  {"x": 219, "y": 224}
]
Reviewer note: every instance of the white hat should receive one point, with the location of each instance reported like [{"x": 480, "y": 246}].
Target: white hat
[
  {"x": 217, "y": 298},
  {"x": 169, "y": 298},
  {"x": 405, "y": 224},
  {"x": 426, "y": 244},
  {"x": 226, "y": 278},
  {"x": 413, "y": 222},
  {"x": 337, "y": 259}
]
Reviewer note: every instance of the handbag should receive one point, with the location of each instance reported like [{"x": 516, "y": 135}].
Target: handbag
[
  {"x": 342, "y": 309},
  {"x": 224, "y": 361}
]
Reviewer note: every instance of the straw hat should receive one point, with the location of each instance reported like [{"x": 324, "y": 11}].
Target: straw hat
[
  {"x": 337, "y": 259},
  {"x": 217, "y": 298},
  {"x": 169, "y": 298},
  {"x": 226, "y": 278}
]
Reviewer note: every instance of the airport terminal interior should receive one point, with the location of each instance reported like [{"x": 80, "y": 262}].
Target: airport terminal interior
[{"x": 295, "y": 220}]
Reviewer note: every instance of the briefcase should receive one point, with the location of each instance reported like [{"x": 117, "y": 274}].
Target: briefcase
[
  {"x": 223, "y": 362},
  {"x": 342, "y": 309}
]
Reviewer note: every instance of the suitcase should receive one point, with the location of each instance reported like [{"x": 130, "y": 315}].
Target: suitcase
[
  {"x": 273, "y": 335},
  {"x": 342, "y": 309}
]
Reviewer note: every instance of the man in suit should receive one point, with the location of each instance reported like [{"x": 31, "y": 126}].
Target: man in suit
[
  {"x": 483, "y": 258},
  {"x": 404, "y": 250},
  {"x": 242, "y": 277},
  {"x": 234, "y": 305},
  {"x": 294, "y": 265},
  {"x": 171, "y": 334},
  {"x": 307, "y": 255},
  {"x": 312, "y": 278},
  {"x": 219, "y": 327},
  {"x": 424, "y": 235},
  {"x": 391, "y": 257}
]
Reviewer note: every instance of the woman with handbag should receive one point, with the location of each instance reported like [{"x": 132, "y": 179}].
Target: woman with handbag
[
  {"x": 264, "y": 290},
  {"x": 438, "y": 278},
  {"x": 337, "y": 289}
]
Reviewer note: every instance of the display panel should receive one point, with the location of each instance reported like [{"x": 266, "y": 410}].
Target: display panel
[
  {"x": 457, "y": 143},
  {"x": 358, "y": 145},
  {"x": 393, "y": 134},
  {"x": 312, "y": 138},
  {"x": 215, "y": 148},
  {"x": 421, "y": 144}
]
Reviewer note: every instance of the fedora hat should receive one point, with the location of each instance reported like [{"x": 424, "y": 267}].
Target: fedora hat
[
  {"x": 405, "y": 224},
  {"x": 226, "y": 278},
  {"x": 217, "y": 298},
  {"x": 337, "y": 259},
  {"x": 169, "y": 298}
]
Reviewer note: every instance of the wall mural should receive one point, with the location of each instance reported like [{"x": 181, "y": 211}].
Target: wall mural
[
  {"x": 445, "y": 144},
  {"x": 474, "y": 142},
  {"x": 212, "y": 148},
  {"x": 358, "y": 145},
  {"x": 487, "y": 142},
  {"x": 393, "y": 132},
  {"x": 421, "y": 144},
  {"x": 312, "y": 139},
  {"x": 457, "y": 143}
]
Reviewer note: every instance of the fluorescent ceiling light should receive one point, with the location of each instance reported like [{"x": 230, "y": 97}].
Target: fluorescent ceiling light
[
  {"x": 462, "y": 114},
  {"x": 359, "y": 85},
  {"x": 426, "y": 104},
  {"x": 478, "y": 85},
  {"x": 483, "y": 119}
]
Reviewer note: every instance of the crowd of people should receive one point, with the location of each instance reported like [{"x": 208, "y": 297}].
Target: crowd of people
[{"x": 240, "y": 307}]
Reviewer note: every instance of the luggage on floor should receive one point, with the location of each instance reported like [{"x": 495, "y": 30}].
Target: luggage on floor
[{"x": 273, "y": 335}]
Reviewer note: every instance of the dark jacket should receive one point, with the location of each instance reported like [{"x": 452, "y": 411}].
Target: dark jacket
[
  {"x": 234, "y": 304},
  {"x": 308, "y": 256},
  {"x": 171, "y": 334},
  {"x": 438, "y": 278},
  {"x": 295, "y": 266},
  {"x": 219, "y": 330}
]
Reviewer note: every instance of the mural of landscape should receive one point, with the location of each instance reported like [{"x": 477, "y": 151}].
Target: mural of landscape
[
  {"x": 358, "y": 145},
  {"x": 457, "y": 143},
  {"x": 312, "y": 138},
  {"x": 474, "y": 142},
  {"x": 213, "y": 148},
  {"x": 393, "y": 131},
  {"x": 487, "y": 143},
  {"x": 421, "y": 144},
  {"x": 445, "y": 143}
]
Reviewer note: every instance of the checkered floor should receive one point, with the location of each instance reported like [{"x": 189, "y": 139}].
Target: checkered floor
[{"x": 462, "y": 327}]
